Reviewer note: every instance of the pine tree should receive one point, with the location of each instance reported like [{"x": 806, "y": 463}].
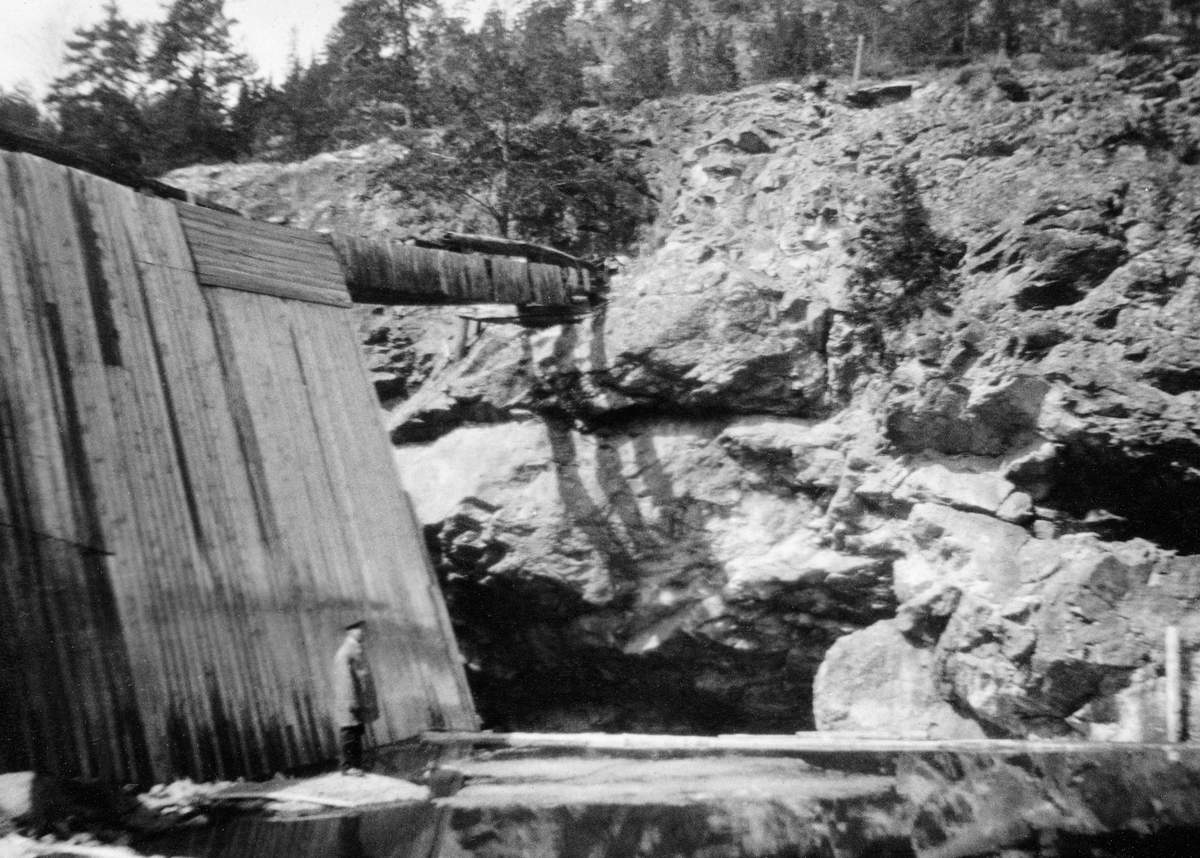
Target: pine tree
[
  {"x": 504, "y": 149},
  {"x": 304, "y": 112},
  {"x": 19, "y": 112},
  {"x": 201, "y": 72},
  {"x": 781, "y": 45},
  {"x": 374, "y": 63},
  {"x": 642, "y": 66},
  {"x": 101, "y": 100}
]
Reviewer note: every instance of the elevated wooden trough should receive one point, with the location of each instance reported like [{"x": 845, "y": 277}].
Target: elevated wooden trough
[
  {"x": 196, "y": 494},
  {"x": 460, "y": 272}
]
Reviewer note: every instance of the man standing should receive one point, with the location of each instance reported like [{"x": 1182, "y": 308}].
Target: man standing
[{"x": 354, "y": 702}]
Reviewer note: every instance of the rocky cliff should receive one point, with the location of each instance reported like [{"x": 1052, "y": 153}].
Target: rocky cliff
[{"x": 892, "y": 423}]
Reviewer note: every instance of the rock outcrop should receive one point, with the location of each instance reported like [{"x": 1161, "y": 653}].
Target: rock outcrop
[{"x": 904, "y": 399}]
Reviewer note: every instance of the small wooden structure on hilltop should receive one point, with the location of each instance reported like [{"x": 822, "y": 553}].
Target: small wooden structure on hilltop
[{"x": 196, "y": 491}]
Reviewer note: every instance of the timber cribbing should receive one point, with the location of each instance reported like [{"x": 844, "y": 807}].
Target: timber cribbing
[{"x": 196, "y": 495}]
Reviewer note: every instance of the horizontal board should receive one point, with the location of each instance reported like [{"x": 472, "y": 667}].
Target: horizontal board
[
  {"x": 318, "y": 262},
  {"x": 192, "y": 214},
  {"x": 238, "y": 253},
  {"x": 232, "y": 278}
]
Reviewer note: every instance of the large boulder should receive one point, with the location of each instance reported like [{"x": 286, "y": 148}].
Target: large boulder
[{"x": 877, "y": 680}]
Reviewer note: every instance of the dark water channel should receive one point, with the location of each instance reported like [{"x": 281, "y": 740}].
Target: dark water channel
[
  {"x": 599, "y": 831},
  {"x": 1102, "y": 803}
]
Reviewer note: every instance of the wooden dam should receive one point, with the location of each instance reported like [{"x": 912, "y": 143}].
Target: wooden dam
[{"x": 196, "y": 491}]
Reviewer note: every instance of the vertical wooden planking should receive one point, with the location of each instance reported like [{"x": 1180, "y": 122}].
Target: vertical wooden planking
[
  {"x": 86, "y": 345},
  {"x": 149, "y": 492},
  {"x": 36, "y": 424},
  {"x": 250, "y": 572},
  {"x": 159, "y": 497},
  {"x": 196, "y": 495},
  {"x": 262, "y": 346},
  {"x": 48, "y": 573},
  {"x": 367, "y": 527},
  {"x": 62, "y": 580},
  {"x": 395, "y": 565},
  {"x": 26, "y": 687},
  {"x": 219, "y": 483},
  {"x": 280, "y": 495}
]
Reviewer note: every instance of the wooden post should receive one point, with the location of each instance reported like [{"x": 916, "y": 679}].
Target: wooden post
[
  {"x": 858, "y": 54},
  {"x": 1174, "y": 686},
  {"x": 462, "y": 342}
]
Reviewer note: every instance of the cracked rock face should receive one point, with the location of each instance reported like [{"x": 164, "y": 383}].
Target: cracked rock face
[
  {"x": 905, "y": 400},
  {"x": 643, "y": 571}
]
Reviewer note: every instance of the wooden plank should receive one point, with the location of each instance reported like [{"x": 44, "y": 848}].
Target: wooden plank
[
  {"x": 287, "y": 263},
  {"x": 196, "y": 214},
  {"x": 1174, "y": 716},
  {"x": 62, "y": 579},
  {"x": 229, "y": 278},
  {"x": 280, "y": 636},
  {"x": 288, "y": 247},
  {"x": 393, "y": 542},
  {"x": 70, "y": 590},
  {"x": 267, "y": 370},
  {"x": 221, "y": 486},
  {"x": 497, "y": 246},
  {"x": 28, "y": 701},
  {"x": 150, "y": 491},
  {"x": 238, "y": 253},
  {"x": 292, "y": 272},
  {"x": 383, "y": 564},
  {"x": 185, "y": 605},
  {"x": 90, "y": 346},
  {"x": 337, "y": 584},
  {"x": 510, "y": 278},
  {"x": 548, "y": 284},
  {"x": 261, "y": 344},
  {"x": 47, "y": 484},
  {"x": 783, "y": 744}
]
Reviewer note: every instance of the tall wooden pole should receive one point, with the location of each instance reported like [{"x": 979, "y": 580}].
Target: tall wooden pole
[
  {"x": 1174, "y": 678},
  {"x": 858, "y": 55}
]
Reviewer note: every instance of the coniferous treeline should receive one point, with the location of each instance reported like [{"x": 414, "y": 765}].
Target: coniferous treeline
[
  {"x": 485, "y": 110},
  {"x": 177, "y": 91}
]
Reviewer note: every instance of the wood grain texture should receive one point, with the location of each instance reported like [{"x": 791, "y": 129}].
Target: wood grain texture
[
  {"x": 385, "y": 272},
  {"x": 196, "y": 495},
  {"x": 238, "y": 253}
]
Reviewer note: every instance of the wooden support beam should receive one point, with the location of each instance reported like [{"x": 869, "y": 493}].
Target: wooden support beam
[
  {"x": 497, "y": 246},
  {"x": 805, "y": 743},
  {"x": 1174, "y": 681},
  {"x": 858, "y": 57}
]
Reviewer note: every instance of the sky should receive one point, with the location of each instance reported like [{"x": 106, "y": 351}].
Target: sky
[{"x": 33, "y": 33}]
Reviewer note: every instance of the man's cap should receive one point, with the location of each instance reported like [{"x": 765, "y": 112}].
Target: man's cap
[{"x": 357, "y": 624}]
